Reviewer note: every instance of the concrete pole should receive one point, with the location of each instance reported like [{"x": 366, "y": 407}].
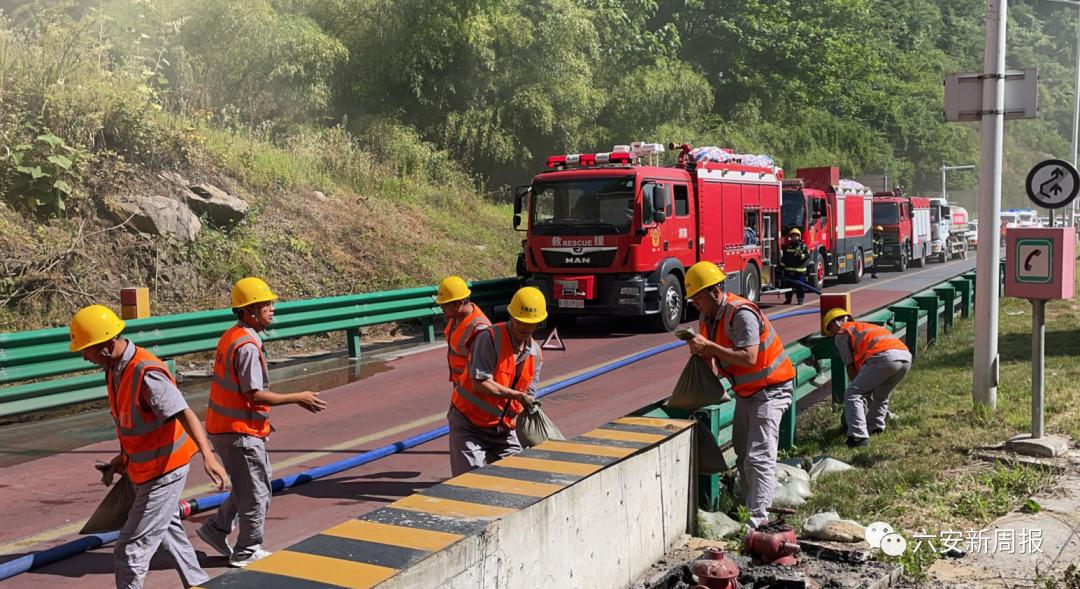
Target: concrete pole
[
  {"x": 984, "y": 384},
  {"x": 943, "y": 183}
]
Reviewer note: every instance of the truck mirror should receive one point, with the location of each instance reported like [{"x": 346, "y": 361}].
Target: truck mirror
[
  {"x": 659, "y": 202},
  {"x": 519, "y": 203}
]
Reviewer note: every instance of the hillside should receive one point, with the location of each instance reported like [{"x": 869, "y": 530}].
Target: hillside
[{"x": 373, "y": 142}]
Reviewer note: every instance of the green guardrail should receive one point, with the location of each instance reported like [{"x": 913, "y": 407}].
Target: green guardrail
[
  {"x": 816, "y": 362},
  {"x": 42, "y": 357}
]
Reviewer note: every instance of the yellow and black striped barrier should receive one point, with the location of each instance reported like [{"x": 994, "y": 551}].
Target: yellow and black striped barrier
[{"x": 366, "y": 551}]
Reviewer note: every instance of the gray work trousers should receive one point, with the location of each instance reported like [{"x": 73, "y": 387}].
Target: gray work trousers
[
  {"x": 472, "y": 447},
  {"x": 152, "y": 523},
  {"x": 755, "y": 433},
  {"x": 874, "y": 383},
  {"x": 248, "y": 465}
]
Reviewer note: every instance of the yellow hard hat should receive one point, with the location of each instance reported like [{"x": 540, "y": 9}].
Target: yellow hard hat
[
  {"x": 795, "y": 231},
  {"x": 93, "y": 325},
  {"x": 878, "y": 228},
  {"x": 452, "y": 288},
  {"x": 528, "y": 305},
  {"x": 251, "y": 290},
  {"x": 702, "y": 275},
  {"x": 831, "y": 316}
]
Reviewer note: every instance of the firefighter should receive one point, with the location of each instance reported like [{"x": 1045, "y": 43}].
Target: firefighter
[
  {"x": 876, "y": 362},
  {"x": 793, "y": 264},
  {"x": 238, "y": 420},
  {"x": 463, "y": 320},
  {"x": 159, "y": 434},
  {"x": 501, "y": 378},
  {"x": 878, "y": 241},
  {"x": 748, "y": 351}
]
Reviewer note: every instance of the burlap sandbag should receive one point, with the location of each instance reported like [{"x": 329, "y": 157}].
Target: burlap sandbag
[
  {"x": 710, "y": 458},
  {"x": 533, "y": 427},
  {"x": 112, "y": 512},
  {"x": 697, "y": 387}
]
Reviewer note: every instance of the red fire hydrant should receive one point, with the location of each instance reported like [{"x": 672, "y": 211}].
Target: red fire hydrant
[
  {"x": 714, "y": 570},
  {"x": 773, "y": 543}
]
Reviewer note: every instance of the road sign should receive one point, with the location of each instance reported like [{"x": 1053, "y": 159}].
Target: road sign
[
  {"x": 964, "y": 96},
  {"x": 1034, "y": 259},
  {"x": 1052, "y": 184}
]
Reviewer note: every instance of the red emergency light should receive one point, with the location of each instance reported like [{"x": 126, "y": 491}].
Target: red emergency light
[
  {"x": 556, "y": 161},
  {"x": 793, "y": 183}
]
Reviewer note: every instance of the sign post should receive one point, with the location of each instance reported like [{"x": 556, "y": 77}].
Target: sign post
[{"x": 1039, "y": 266}]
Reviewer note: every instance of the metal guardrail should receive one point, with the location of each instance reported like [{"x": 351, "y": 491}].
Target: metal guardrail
[
  {"x": 816, "y": 362},
  {"x": 43, "y": 354}
]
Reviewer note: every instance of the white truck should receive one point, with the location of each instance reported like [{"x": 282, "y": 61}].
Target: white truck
[{"x": 948, "y": 230}]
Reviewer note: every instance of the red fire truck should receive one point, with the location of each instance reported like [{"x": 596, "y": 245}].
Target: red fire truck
[
  {"x": 834, "y": 217},
  {"x": 906, "y": 222},
  {"x": 613, "y": 233}
]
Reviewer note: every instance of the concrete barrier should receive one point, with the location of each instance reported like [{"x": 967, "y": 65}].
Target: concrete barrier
[{"x": 595, "y": 511}]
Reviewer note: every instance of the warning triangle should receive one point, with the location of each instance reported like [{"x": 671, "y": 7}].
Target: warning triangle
[{"x": 553, "y": 341}]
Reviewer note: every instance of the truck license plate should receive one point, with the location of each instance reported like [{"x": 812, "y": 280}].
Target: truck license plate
[{"x": 572, "y": 303}]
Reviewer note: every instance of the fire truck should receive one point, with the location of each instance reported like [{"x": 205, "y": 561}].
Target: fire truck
[
  {"x": 834, "y": 217},
  {"x": 906, "y": 222},
  {"x": 612, "y": 234},
  {"x": 948, "y": 230}
]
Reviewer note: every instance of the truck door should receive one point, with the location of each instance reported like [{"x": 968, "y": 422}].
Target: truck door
[{"x": 678, "y": 230}]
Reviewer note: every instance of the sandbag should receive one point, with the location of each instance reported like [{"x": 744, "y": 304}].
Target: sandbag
[
  {"x": 791, "y": 494},
  {"x": 826, "y": 465},
  {"x": 112, "y": 512},
  {"x": 787, "y": 472},
  {"x": 829, "y": 526},
  {"x": 710, "y": 458},
  {"x": 697, "y": 387},
  {"x": 533, "y": 427},
  {"x": 715, "y": 525}
]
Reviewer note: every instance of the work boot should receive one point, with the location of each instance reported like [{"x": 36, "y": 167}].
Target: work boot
[
  {"x": 854, "y": 442},
  {"x": 799, "y": 302},
  {"x": 874, "y": 276},
  {"x": 876, "y": 431},
  {"x": 787, "y": 301}
]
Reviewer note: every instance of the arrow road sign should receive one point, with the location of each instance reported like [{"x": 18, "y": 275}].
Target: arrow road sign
[{"x": 1052, "y": 184}]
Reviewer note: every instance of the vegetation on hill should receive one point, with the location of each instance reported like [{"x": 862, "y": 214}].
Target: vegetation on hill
[{"x": 413, "y": 118}]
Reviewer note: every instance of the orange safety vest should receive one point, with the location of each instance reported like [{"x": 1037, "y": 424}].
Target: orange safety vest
[
  {"x": 772, "y": 366},
  {"x": 868, "y": 340},
  {"x": 230, "y": 411},
  {"x": 152, "y": 446},
  {"x": 459, "y": 336},
  {"x": 486, "y": 410}
]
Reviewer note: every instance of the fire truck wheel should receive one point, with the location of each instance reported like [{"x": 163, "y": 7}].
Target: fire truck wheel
[
  {"x": 752, "y": 286},
  {"x": 817, "y": 276},
  {"x": 919, "y": 262},
  {"x": 671, "y": 304},
  {"x": 856, "y": 275}
]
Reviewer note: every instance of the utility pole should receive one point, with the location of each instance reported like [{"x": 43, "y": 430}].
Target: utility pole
[{"x": 985, "y": 382}]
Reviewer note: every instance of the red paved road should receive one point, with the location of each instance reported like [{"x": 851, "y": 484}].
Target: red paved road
[{"x": 45, "y": 500}]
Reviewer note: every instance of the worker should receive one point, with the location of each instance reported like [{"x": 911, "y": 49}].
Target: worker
[
  {"x": 878, "y": 242},
  {"x": 159, "y": 434},
  {"x": 876, "y": 362},
  {"x": 737, "y": 337},
  {"x": 501, "y": 378},
  {"x": 464, "y": 320},
  {"x": 793, "y": 265},
  {"x": 238, "y": 420}
]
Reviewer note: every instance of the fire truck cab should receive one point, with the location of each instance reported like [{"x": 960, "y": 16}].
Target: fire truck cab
[
  {"x": 906, "y": 224},
  {"x": 612, "y": 234}
]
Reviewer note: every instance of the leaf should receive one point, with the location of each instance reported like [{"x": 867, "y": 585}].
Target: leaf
[
  {"x": 62, "y": 186},
  {"x": 34, "y": 172},
  {"x": 51, "y": 139},
  {"x": 1031, "y": 506},
  {"x": 61, "y": 161}
]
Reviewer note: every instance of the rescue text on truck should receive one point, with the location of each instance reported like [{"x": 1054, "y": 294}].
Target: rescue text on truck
[{"x": 612, "y": 234}]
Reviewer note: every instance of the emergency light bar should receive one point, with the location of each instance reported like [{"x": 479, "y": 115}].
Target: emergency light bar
[{"x": 793, "y": 183}]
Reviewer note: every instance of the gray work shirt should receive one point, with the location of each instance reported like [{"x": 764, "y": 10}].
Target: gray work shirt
[
  {"x": 160, "y": 395},
  {"x": 847, "y": 355},
  {"x": 483, "y": 357},
  {"x": 250, "y": 372}
]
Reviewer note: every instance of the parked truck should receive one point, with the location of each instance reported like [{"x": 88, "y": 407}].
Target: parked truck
[
  {"x": 613, "y": 233},
  {"x": 834, "y": 216},
  {"x": 948, "y": 230},
  {"x": 906, "y": 225}
]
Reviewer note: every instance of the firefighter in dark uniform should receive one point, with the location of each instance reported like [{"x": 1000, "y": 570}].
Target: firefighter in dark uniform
[
  {"x": 793, "y": 264},
  {"x": 878, "y": 239}
]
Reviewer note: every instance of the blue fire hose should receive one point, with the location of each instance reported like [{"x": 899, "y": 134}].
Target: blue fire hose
[{"x": 41, "y": 558}]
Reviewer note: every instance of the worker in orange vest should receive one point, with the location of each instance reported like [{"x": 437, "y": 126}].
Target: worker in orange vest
[
  {"x": 876, "y": 362},
  {"x": 464, "y": 320},
  {"x": 747, "y": 350},
  {"x": 159, "y": 434},
  {"x": 238, "y": 420},
  {"x": 501, "y": 378}
]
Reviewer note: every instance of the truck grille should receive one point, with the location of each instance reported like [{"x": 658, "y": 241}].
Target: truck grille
[{"x": 582, "y": 258}]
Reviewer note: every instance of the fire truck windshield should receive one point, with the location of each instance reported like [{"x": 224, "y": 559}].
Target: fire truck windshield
[
  {"x": 793, "y": 211},
  {"x": 583, "y": 207},
  {"x": 886, "y": 213}
]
